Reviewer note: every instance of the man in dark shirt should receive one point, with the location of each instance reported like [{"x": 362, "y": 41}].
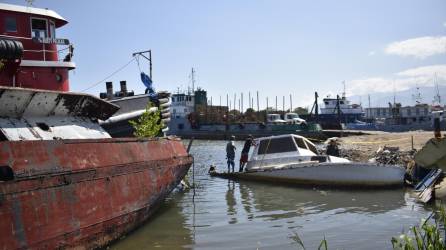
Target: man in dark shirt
[
  {"x": 245, "y": 152},
  {"x": 332, "y": 148},
  {"x": 230, "y": 153}
]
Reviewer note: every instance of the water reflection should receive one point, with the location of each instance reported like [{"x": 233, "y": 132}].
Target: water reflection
[
  {"x": 227, "y": 214},
  {"x": 167, "y": 229},
  {"x": 287, "y": 201},
  {"x": 231, "y": 202}
]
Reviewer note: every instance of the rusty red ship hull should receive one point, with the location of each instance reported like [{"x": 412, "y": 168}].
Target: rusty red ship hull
[{"x": 85, "y": 193}]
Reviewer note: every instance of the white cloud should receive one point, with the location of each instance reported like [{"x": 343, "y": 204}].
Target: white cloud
[
  {"x": 372, "y": 53},
  {"x": 400, "y": 81},
  {"x": 425, "y": 71},
  {"x": 444, "y": 24},
  {"x": 420, "y": 47}
]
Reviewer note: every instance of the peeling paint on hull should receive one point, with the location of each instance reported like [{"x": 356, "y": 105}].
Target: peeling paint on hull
[{"x": 83, "y": 194}]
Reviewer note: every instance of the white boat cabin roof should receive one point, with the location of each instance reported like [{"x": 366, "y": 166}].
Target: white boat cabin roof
[
  {"x": 34, "y": 11},
  {"x": 284, "y": 144}
]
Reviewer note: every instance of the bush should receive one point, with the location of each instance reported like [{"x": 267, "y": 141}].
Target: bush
[{"x": 149, "y": 124}]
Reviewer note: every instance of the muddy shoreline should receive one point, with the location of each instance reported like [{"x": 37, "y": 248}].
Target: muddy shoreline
[{"x": 361, "y": 148}]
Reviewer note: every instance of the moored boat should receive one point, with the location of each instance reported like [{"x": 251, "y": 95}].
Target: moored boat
[
  {"x": 64, "y": 181},
  {"x": 294, "y": 159}
]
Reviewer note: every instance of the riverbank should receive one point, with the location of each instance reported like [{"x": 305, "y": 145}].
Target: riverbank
[{"x": 361, "y": 148}]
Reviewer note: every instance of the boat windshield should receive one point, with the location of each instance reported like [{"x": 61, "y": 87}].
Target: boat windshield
[
  {"x": 305, "y": 144},
  {"x": 277, "y": 145},
  {"x": 311, "y": 147},
  {"x": 300, "y": 142}
]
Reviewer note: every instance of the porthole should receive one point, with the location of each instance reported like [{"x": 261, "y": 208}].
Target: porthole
[
  {"x": 58, "y": 77},
  {"x": 43, "y": 126}
]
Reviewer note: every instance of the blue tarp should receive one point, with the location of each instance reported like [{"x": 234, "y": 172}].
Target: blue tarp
[{"x": 149, "y": 86}]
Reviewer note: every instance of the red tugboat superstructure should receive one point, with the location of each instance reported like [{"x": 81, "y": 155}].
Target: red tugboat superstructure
[
  {"x": 64, "y": 182},
  {"x": 29, "y": 49}
]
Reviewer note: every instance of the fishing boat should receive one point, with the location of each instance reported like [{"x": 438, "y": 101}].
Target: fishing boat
[
  {"x": 64, "y": 181},
  {"x": 294, "y": 159}
]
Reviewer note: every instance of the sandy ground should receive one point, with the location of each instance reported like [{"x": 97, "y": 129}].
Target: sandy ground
[{"x": 363, "y": 147}]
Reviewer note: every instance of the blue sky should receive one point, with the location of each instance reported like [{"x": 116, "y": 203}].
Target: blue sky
[{"x": 274, "y": 47}]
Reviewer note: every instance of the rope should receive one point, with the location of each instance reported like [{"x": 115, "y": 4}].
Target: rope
[
  {"x": 112, "y": 74},
  {"x": 137, "y": 63}
]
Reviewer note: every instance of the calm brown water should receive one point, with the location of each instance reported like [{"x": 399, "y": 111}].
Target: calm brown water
[{"x": 226, "y": 214}]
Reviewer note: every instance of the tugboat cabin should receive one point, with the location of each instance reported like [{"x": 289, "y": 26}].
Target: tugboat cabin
[{"x": 31, "y": 55}]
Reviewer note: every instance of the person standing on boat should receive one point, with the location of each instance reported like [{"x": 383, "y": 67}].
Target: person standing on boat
[
  {"x": 245, "y": 152},
  {"x": 332, "y": 147},
  {"x": 230, "y": 153}
]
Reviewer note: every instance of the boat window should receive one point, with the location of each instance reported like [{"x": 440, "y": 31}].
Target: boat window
[
  {"x": 52, "y": 30},
  {"x": 3, "y": 136},
  {"x": 277, "y": 145},
  {"x": 311, "y": 147},
  {"x": 10, "y": 24},
  {"x": 38, "y": 28},
  {"x": 300, "y": 143},
  {"x": 6, "y": 173}
]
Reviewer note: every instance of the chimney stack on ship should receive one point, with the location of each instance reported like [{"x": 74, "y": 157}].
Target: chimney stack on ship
[
  {"x": 109, "y": 86},
  {"x": 123, "y": 88}
]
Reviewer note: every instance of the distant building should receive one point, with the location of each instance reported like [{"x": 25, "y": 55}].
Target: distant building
[{"x": 396, "y": 114}]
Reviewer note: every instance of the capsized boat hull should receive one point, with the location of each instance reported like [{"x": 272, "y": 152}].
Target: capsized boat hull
[
  {"x": 361, "y": 175},
  {"x": 83, "y": 194}
]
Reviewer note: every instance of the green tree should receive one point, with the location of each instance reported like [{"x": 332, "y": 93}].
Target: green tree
[
  {"x": 149, "y": 124},
  {"x": 301, "y": 111}
]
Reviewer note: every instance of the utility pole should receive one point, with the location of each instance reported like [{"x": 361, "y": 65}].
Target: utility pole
[
  {"x": 267, "y": 104},
  {"x": 283, "y": 105},
  {"x": 258, "y": 109},
  {"x": 276, "y": 103},
  {"x": 242, "y": 103},
  {"x": 249, "y": 99},
  {"x": 149, "y": 58},
  {"x": 227, "y": 112},
  {"x": 235, "y": 99}
]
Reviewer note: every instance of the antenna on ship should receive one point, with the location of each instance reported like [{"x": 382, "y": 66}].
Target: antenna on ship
[
  {"x": 394, "y": 93},
  {"x": 417, "y": 96},
  {"x": 192, "y": 79},
  {"x": 343, "y": 93},
  {"x": 437, "y": 97},
  {"x": 30, "y": 3}
]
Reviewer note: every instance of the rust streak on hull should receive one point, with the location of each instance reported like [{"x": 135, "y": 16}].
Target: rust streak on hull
[{"x": 84, "y": 193}]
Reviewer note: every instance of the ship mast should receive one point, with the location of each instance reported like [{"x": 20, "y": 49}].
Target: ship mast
[
  {"x": 417, "y": 96},
  {"x": 192, "y": 78},
  {"x": 343, "y": 93},
  {"x": 437, "y": 97}
]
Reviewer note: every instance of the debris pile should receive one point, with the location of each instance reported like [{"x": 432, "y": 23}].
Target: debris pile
[{"x": 392, "y": 156}]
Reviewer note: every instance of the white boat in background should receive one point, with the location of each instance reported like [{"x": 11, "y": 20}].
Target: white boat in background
[{"x": 294, "y": 159}]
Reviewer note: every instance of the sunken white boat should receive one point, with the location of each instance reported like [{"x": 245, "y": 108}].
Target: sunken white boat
[{"x": 294, "y": 159}]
